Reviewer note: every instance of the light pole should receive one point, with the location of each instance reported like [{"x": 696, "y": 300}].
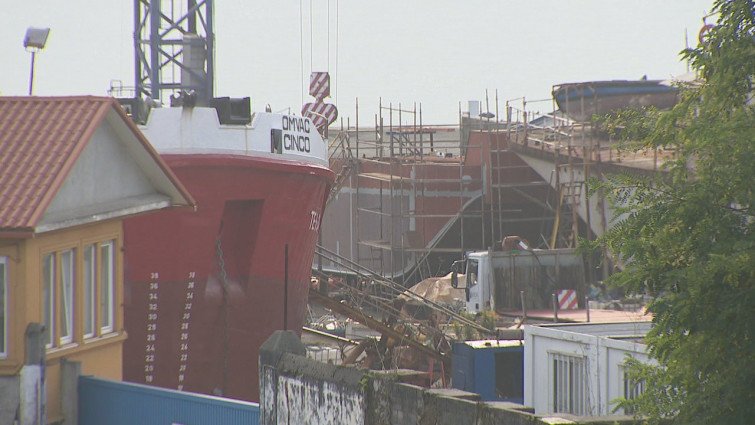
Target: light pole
[{"x": 35, "y": 40}]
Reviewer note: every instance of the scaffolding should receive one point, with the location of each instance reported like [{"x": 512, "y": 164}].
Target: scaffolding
[
  {"x": 580, "y": 150},
  {"x": 551, "y": 132},
  {"x": 421, "y": 196},
  {"x": 425, "y": 195},
  {"x": 400, "y": 169}
]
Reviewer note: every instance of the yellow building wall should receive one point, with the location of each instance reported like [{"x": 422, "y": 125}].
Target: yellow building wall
[
  {"x": 100, "y": 355},
  {"x": 16, "y": 307},
  {"x": 102, "y": 358}
]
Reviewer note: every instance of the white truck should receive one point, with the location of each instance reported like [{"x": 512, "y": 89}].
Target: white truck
[{"x": 505, "y": 280}]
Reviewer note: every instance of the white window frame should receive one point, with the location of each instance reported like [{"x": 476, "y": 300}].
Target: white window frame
[
  {"x": 68, "y": 295},
  {"x": 48, "y": 296},
  {"x": 4, "y": 316},
  {"x": 567, "y": 384},
  {"x": 89, "y": 276},
  {"x": 107, "y": 286}
]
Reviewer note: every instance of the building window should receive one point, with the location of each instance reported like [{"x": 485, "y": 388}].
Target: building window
[
  {"x": 472, "y": 273},
  {"x": 472, "y": 283},
  {"x": 67, "y": 292},
  {"x": 107, "y": 273},
  {"x": 4, "y": 307},
  {"x": 48, "y": 295},
  {"x": 569, "y": 377},
  {"x": 78, "y": 305},
  {"x": 99, "y": 281},
  {"x": 90, "y": 290}
]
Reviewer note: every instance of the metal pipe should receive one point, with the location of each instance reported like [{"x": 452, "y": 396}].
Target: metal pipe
[
  {"x": 492, "y": 183},
  {"x": 285, "y": 291},
  {"x": 373, "y": 275},
  {"x": 498, "y": 165},
  {"x": 555, "y": 308},
  {"x": 31, "y": 75},
  {"x": 587, "y": 309}
]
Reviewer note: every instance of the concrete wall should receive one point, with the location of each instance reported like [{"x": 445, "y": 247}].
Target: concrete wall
[
  {"x": 10, "y": 398},
  {"x": 295, "y": 389}
]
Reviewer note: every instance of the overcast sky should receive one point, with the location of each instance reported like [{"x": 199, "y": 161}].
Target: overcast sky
[{"x": 438, "y": 53}]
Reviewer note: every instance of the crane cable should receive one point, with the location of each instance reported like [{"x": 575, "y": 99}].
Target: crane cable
[
  {"x": 311, "y": 35},
  {"x": 301, "y": 50},
  {"x": 335, "y": 64},
  {"x": 311, "y": 44}
]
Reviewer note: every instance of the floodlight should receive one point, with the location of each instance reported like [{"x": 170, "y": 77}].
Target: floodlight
[{"x": 36, "y": 38}]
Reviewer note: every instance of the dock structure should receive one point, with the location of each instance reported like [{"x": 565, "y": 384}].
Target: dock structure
[{"x": 412, "y": 198}]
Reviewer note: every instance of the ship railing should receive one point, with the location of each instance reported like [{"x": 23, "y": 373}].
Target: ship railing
[
  {"x": 406, "y": 142},
  {"x": 554, "y": 132},
  {"x": 340, "y": 146},
  {"x": 118, "y": 90},
  {"x": 341, "y": 161}
]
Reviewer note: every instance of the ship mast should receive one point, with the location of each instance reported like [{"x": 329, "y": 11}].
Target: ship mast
[{"x": 174, "y": 46}]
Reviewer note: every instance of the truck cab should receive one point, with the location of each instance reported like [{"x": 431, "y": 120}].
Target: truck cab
[
  {"x": 504, "y": 280},
  {"x": 477, "y": 281}
]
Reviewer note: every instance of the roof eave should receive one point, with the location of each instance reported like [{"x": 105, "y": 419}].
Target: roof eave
[
  {"x": 118, "y": 214},
  {"x": 21, "y": 233}
]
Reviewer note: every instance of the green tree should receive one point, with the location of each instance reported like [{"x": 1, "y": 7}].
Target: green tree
[{"x": 687, "y": 235}]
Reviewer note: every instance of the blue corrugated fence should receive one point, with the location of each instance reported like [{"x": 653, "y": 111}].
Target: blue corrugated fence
[{"x": 103, "y": 401}]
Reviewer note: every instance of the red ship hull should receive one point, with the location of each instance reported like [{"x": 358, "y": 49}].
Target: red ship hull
[{"x": 205, "y": 289}]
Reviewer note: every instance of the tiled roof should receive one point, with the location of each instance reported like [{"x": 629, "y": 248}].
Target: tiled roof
[{"x": 40, "y": 141}]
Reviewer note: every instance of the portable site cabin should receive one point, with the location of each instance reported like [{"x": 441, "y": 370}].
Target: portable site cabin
[{"x": 579, "y": 368}]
